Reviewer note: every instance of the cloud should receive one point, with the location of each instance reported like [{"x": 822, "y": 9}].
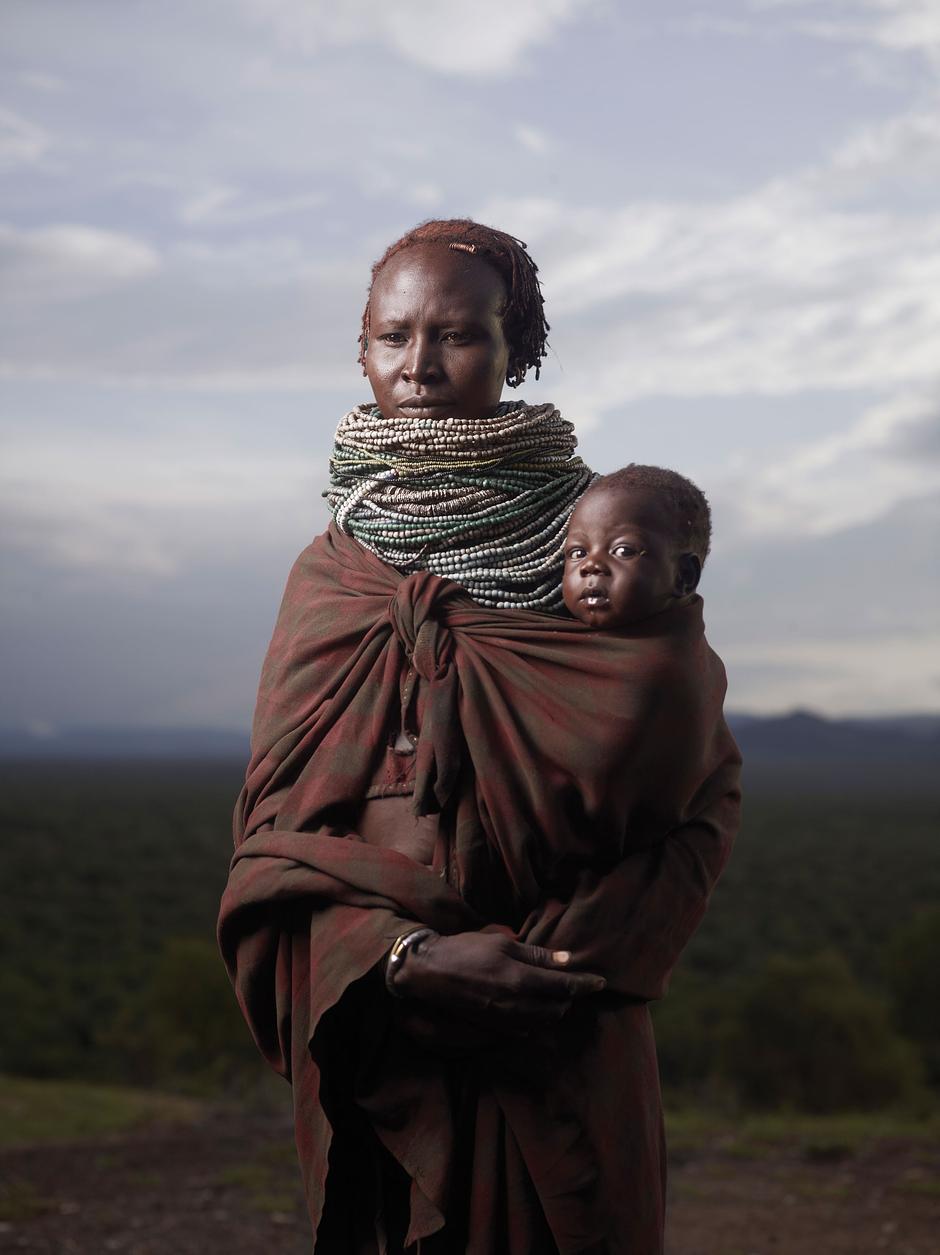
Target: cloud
[
  {"x": 780, "y": 290},
  {"x": 891, "y": 673},
  {"x": 887, "y": 458},
  {"x": 70, "y": 260},
  {"x": 22, "y": 143},
  {"x": 894, "y": 26},
  {"x": 258, "y": 312},
  {"x": 41, "y": 81},
  {"x": 846, "y": 622},
  {"x": 533, "y": 138},
  {"x": 767, "y": 293},
  {"x": 226, "y": 205},
  {"x": 906, "y": 145},
  {"x": 919, "y": 437},
  {"x": 277, "y": 101},
  {"x": 893, "y": 430},
  {"x": 486, "y": 39},
  {"x": 148, "y": 505}
]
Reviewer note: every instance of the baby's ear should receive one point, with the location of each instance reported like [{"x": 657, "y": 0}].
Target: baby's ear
[{"x": 688, "y": 574}]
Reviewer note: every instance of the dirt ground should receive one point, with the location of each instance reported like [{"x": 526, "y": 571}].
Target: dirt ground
[{"x": 229, "y": 1187}]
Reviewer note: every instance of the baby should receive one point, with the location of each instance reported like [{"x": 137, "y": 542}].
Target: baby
[{"x": 636, "y": 544}]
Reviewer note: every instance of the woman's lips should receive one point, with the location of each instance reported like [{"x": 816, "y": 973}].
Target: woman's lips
[{"x": 417, "y": 405}]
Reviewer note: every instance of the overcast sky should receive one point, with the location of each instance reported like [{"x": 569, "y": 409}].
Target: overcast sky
[{"x": 735, "y": 206}]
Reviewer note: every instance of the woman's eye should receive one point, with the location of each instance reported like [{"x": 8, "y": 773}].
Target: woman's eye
[
  {"x": 392, "y": 337},
  {"x": 455, "y": 337}
]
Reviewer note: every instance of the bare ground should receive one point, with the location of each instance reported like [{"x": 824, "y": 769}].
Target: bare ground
[{"x": 229, "y": 1186}]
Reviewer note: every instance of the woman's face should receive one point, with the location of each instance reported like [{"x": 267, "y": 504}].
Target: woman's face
[{"x": 436, "y": 345}]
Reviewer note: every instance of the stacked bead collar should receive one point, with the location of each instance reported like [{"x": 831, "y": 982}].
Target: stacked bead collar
[{"x": 484, "y": 502}]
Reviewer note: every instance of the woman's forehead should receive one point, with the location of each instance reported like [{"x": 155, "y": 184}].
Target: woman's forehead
[{"x": 433, "y": 273}]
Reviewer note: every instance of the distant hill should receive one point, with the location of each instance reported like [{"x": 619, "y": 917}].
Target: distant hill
[
  {"x": 810, "y": 754},
  {"x": 800, "y": 743},
  {"x": 116, "y": 742},
  {"x": 801, "y": 735}
]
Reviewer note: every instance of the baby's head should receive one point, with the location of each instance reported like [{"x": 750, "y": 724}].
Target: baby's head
[{"x": 636, "y": 544}]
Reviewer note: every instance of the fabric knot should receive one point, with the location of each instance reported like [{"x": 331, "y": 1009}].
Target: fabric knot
[
  {"x": 415, "y": 613},
  {"x": 414, "y": 616}
]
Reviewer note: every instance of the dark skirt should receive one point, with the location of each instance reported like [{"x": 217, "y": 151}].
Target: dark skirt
[{"x": 492, "y": 1206}]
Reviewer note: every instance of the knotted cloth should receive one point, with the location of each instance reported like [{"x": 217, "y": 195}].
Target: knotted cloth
[
  {"x": 593, "y": 785},
  {"x": 483, "y": 501}
]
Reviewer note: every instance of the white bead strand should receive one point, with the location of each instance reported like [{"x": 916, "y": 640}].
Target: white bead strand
[{"x": 484, "y": 502}]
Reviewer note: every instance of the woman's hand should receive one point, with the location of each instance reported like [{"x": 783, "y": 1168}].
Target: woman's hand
[{"x": 493, "y": 981}]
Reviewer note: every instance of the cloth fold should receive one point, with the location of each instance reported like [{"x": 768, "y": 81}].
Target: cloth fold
[{"x": 594, "y": 790}]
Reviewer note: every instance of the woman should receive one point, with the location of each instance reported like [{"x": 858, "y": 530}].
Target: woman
[{"x": 449, "y": 904}]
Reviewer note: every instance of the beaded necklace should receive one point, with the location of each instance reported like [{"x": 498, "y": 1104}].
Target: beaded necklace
[{"x": 484, "y": 502}]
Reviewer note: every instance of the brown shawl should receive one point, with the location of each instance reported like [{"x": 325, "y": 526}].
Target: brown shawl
[{"x": 595, "y": 788}]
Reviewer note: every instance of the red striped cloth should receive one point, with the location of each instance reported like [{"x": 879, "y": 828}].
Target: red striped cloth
[{"x": 593, "y": 789}]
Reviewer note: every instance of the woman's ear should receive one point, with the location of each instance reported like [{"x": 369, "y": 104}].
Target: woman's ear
[{"x": 688, "y": 574}]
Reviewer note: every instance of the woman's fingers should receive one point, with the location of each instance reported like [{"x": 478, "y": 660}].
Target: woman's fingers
[
  {"x": 538, "y": 956},
  {"x": 538, "y": 982},
  {"x": 575, "y": 984}
]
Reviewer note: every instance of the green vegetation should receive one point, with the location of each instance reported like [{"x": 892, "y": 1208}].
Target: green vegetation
[
  {"x": 264, "y": 1178},
  {"x": 183, "y": 1024},
  {"x": 61, "y": 1111},
  {"x": 914, "y": 977},
  {"x": 20, "y": 1200},
  {"x": 805, "y": 1034},
  {"x": 110, "y": 878},
  {"x": 695, "y": 1130},
  {"x": 821, "y": 873},
  {"x": 812, "y": 984}
]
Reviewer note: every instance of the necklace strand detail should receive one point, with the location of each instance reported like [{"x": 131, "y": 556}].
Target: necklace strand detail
[{"x": 484, "y": 502}]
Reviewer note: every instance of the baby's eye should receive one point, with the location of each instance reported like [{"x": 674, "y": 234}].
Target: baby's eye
[
  {"x": 575, "y": 552},
  {"x": 624, "y": 551}
]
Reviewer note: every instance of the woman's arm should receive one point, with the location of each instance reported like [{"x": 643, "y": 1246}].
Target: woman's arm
[{"x": 632, "y": 923}]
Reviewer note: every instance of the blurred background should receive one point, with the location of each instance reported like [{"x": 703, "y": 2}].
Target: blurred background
[{"x": 735, "y": 208}]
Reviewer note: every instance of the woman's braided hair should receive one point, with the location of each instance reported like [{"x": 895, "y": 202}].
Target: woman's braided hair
[{"x": 524, "y": 324}]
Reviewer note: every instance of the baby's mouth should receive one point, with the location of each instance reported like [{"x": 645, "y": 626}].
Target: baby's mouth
[{"x": 594, "y": 597}]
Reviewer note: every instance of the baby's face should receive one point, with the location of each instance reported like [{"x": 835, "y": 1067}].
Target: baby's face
[{"x": 621, "y": 562}]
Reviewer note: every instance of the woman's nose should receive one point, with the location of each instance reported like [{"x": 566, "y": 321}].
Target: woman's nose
[{"x": 420, "y": 362}]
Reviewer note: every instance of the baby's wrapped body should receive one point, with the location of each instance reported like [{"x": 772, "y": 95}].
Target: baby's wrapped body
[{"x": 579, "y": 791}]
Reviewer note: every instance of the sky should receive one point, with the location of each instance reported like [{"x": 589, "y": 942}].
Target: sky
[{"x": 735, "y": 209}]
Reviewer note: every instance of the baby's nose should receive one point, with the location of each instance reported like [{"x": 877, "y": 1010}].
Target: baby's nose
[{"x": 592, "y": 565}]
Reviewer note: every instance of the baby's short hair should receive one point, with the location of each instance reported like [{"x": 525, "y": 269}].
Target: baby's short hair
[{"x": 693, "y": 521}]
